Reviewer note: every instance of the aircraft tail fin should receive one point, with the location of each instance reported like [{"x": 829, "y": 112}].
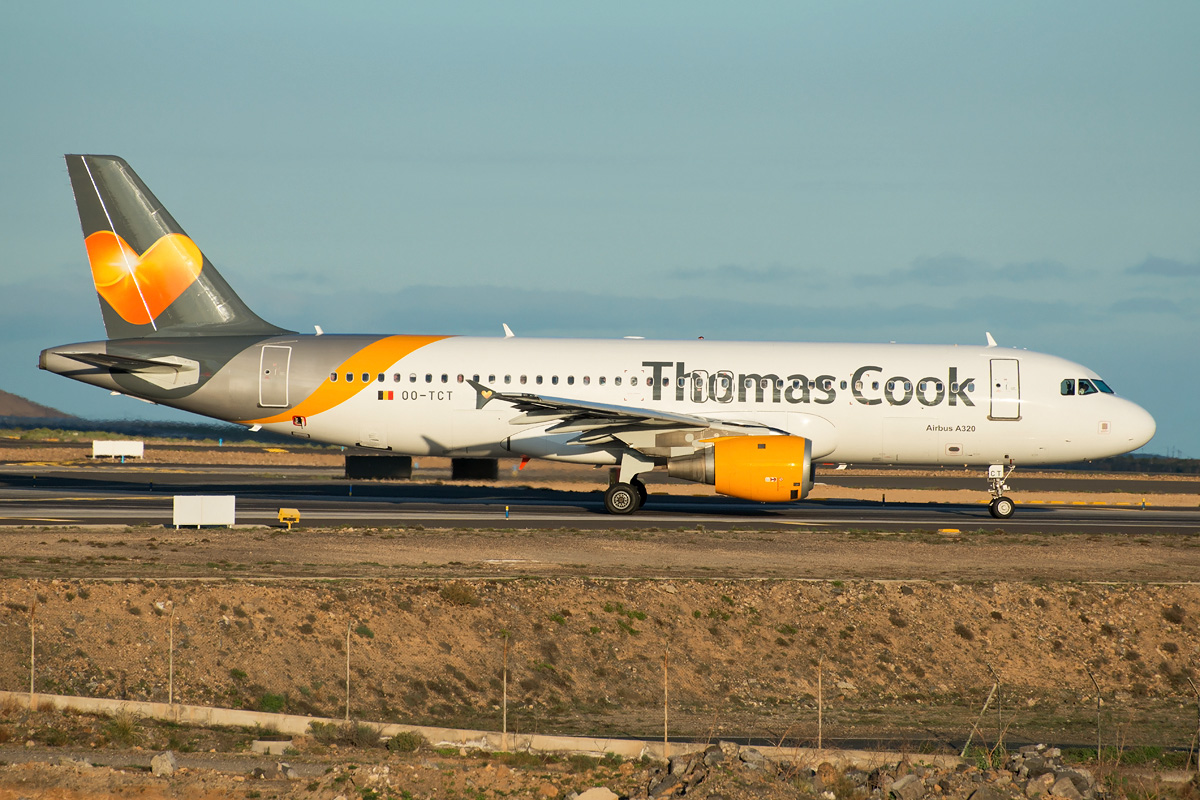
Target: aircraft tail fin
[{"x": 151, "y": 277}]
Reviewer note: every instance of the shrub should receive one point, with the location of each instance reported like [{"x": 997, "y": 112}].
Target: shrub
[
  {"x": 457, "y": 593},
  {"x": 365, "y": 632},
  {"x": 272, "y": 703},
  {"x": 406, "y": 742},
  {"x": 323, "y": 732},
  {"x": 963, "y": 631},
  {"x": 360, "y": 734},
  {"x": 1173, "y": 614},
  {"x": 124, "y": 729}
]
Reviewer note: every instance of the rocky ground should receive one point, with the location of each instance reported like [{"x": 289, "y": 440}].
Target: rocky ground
[
  {"x": 411, "y": 769},
  {"x": 891, "y": 639},
  {"x": 907, "y": 662}
]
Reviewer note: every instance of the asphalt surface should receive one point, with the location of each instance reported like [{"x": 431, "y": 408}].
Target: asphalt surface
[{"x": 59, "y": 495}]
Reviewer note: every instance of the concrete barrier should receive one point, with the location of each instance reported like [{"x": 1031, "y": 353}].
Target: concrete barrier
[{"x": 297, "y": 725}]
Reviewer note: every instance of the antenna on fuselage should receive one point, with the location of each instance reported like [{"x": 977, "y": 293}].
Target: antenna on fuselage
[
  {"x": 990, "y": 340},
  {"x": 508, "y": 334}
]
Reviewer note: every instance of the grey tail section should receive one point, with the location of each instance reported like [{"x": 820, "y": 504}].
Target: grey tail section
[{"x": 151, "y": 279}]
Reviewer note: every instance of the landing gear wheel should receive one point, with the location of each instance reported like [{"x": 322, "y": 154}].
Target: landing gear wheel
[
  {"x": 621, "y": 498},
  {"x": 1002, "y": 508},
  {"x": 641, "y": 490}
]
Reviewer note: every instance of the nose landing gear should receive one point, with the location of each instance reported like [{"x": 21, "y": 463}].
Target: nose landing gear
[{"x": 1001, "y": 507}]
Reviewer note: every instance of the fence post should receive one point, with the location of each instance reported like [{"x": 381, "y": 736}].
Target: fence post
[
  {"x": 171, "y": 659},
  {"x": 1097, "y": 685},
  {"x": 504, "y": 712},
  {"x": 32, "y": 650},
  {"x": 820, "y": 705},
  {"x": 666, "y": 750},
  {"x": 975, "y": 727}
]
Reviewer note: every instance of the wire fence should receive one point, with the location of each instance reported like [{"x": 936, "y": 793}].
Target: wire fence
[{"x": 792, "y": 663}]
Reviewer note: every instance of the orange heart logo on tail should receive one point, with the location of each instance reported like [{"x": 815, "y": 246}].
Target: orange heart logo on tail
[{"x": 139, "y": 288}]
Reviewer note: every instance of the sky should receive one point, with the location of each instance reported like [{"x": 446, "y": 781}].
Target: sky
[{"x": 804, "y": 171}]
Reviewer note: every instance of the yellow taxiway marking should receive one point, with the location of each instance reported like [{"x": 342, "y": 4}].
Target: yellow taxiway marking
[
  {"x": 949, "y": 530},
  {"x": 40, "y": 519},
  {"x": 44, "y": 500}
]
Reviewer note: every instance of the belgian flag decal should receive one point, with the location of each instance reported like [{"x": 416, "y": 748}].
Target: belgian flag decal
[{"x": 387, "y": 395}]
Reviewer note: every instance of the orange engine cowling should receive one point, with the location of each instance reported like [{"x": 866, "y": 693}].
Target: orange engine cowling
[{"x": 772, "y": 469}]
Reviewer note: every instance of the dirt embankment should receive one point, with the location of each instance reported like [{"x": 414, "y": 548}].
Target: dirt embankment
[{"x": 895, "y": 660}]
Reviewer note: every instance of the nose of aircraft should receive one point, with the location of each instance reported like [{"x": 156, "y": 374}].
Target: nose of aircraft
[{"x": 1135, "y": 425}]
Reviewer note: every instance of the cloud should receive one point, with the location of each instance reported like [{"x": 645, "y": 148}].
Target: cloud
[
  {"x": 1165, "y": 268},
  {"x": 777, "y": 316},
  {"x": 739, "y": 274},
  {"x": 957, "y": 270},
  {"x": 1146, "y": 305}
]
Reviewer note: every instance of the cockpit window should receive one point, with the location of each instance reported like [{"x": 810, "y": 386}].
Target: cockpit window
[
  {"x": 1067, "y": 387},
  {"x": 1086, "y": 387},
  {"x": 1102, "y": 386}
]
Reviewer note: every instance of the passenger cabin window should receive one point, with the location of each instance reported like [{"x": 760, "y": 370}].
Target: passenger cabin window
[
  {"x": 538, "y": 380},
  {"x": 570, "y": 380},
  {"x": 349, "y": 377},
  {"x": 587, "y": 380},
  {"x": 445, "y": 378},
  {"x": 617, "y": 380},
  {"x": 429, "y": 377},
  {"x": 554, "y": 380},
  {"x": 1067, "y": 387},
  {"x": 380, "y": 377},
  {"x": 508, "y": 378},
  {"x": 333, "y": 377},
  {"x": 491, "y": 378},
  {"x": 366, "y": 377},
  {"x": 633, "y": 381},
  {"x": 412, "y": 377},
  {"x": 602, "y": 379},
  {"x": 524, "y": 379},
  {"x": 460, "y": 378},
  {"x": 395, "y": 377}
]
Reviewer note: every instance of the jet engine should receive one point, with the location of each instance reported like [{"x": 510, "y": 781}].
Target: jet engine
[{"x": 771, "y": 469}]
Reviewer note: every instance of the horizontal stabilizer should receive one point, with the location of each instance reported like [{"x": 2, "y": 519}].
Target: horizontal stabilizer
[{"x": 169, "y": 372}]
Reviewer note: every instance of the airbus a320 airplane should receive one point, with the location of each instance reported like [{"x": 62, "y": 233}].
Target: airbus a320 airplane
[{"x": 748, "y": 417}]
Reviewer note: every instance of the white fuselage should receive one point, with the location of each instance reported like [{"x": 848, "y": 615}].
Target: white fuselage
[{"x": 861, "y": 403}]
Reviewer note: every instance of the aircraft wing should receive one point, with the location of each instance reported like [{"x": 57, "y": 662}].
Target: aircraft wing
[{"x": 644, "y": 429}]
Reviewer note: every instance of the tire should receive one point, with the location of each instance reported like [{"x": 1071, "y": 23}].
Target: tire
[
  {"x": 641, "y": 490},
  {"x": 621, "y": 498},
  {"x": 1002, "y": 508}
]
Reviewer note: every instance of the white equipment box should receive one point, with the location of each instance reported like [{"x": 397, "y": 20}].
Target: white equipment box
[
  {"x": 101, "y": 447},
  {"x": 198, "y": 510}
]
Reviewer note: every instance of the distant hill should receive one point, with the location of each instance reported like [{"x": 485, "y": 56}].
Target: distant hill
[{"x": 12, "y": 405}]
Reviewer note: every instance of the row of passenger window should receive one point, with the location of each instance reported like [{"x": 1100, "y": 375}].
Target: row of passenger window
[
  {"x": 724, "y": 381},
  {"x": 1086, "y": 386}
]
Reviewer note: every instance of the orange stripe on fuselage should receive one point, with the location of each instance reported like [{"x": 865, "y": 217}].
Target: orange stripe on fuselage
[{"x": 372, "y": 359}]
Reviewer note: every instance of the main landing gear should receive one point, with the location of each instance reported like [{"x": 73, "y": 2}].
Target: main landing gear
[
  {"x": 1001, "y": 507},
  {"x": 625, "y": 498}
]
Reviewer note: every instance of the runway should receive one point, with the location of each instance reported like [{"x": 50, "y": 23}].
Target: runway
[{"x": 59, "y": 495}]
